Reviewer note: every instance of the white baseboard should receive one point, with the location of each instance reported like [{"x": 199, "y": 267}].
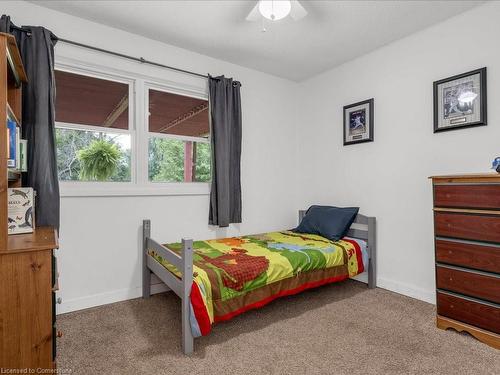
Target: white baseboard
[
  {"x": 363, "y": 277},
  {"x": 125, "y": 294},
  {"x": 407, "y": 290},
  {"x": 106, "y": 298}
]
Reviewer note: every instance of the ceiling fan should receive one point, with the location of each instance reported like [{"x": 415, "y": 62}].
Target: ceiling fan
[{"x": 275, "y": 10}]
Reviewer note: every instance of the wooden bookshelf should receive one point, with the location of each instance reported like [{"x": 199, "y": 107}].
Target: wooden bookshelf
[
  {"x": 12, "y": 75},
  {"x": 28, "y": 267}
]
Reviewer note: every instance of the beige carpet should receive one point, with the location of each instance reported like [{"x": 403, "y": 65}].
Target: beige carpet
[{"x": 337, "y": 329}]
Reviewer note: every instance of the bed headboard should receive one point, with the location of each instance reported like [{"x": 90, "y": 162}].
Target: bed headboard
[{"x": 364, "y": 228}]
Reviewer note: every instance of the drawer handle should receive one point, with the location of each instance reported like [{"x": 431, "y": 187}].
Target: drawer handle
[
  {"x": 451, "y": 306},
  {"x": 59, "y": 300},
  {"x": 450, "y": 252},
  {"x": 59, "y": 334},
  {"x": 451, "y": 278}
]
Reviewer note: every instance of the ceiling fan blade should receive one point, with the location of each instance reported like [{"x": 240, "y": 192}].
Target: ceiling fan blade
[
  {"x": 254, "y": 14},
  {"x": 297, "y": 12}
]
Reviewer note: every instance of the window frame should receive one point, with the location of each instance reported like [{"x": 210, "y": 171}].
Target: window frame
[{"x": 138, "y": 112}]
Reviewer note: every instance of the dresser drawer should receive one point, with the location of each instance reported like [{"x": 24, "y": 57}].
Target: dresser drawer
[
  {"x": 467, "y": 196},
  {"x": 482, "y": 315},
  {"x": 467, "y": 226},
  {"x": 469, "y": 283},
  {"x": 470, "y": 255}
]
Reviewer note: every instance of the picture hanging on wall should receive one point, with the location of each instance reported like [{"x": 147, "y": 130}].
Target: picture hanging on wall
[
  {"x": 460, "y": 101},
  {"x": 358, "y": 122}
]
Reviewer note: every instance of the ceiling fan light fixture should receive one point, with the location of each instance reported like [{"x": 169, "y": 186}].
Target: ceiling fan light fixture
[{"x": 274, "y": 10}]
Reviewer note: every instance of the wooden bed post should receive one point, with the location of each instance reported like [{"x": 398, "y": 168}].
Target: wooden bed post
[
  {"x": 187, "y": 282},
  {"x": 372, "y": 243},
  {"x": 146, "y": 272}
]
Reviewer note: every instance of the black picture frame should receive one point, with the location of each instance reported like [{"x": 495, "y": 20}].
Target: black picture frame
[
  {"x": 482, "y": 121},
  {"x": 369, "y": 104}
]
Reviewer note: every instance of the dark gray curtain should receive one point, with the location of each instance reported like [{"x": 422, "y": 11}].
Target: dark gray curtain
[
  {"x": 225, "y": 117},
  {"x": 36, "y": 45}
]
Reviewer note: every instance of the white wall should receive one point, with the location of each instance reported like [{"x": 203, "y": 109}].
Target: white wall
[
  {"x": 99, "y": 256},
  {"x": 388, "y": 177}
]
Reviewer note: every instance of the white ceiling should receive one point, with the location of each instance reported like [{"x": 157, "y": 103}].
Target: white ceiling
[{"x": 332, "y": 33}]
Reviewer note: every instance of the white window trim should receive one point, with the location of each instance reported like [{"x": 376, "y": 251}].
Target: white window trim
[
  {"x": 138, "y": 129},
  {"x": 91, "y": 128},
  {"x": 117, "y": 189}
]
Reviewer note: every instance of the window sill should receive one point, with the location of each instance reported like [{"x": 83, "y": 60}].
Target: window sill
[{"x": 110, "y": 189}]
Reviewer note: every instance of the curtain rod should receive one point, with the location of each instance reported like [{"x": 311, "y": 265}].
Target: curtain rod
[{"x": 138, "y": 59}]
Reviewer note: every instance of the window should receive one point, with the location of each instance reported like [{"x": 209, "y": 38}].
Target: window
[
  {"x": 122, "y": 133},
  {"x": 178, "y": 143},
  {"x": 93, "y": 136}
]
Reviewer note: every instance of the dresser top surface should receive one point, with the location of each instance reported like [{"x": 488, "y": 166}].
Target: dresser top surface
[
  {"x": 470, "y": 177},
  {"x": 43, "y": 238}
]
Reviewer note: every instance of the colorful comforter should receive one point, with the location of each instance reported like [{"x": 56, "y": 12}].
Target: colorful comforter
[{"x": 233, "y": 275}]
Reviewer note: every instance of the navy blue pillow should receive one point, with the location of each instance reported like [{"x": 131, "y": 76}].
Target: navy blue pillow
[{"x": 327, "y": 221}]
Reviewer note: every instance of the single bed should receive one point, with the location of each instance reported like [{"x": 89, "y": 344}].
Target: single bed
[{"x": 221, "y": 278}]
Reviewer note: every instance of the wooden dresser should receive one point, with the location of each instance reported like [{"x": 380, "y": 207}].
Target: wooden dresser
[
  {"x": 467, "y": 251},
  {"x": 28, "y": 274}
]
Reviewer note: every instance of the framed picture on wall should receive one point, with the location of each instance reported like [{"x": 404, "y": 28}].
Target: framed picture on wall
[
  {"x": 460, "y": 101},
  {"x": 358, "y": 122}
]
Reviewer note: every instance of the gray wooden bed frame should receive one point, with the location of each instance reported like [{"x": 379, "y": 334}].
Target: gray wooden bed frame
[{"x": 364, "y": 227}]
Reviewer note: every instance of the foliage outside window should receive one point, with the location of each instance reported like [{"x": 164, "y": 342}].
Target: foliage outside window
[
  {"x": 72, "y": 143},
  {"x": 167, "y": 160}
]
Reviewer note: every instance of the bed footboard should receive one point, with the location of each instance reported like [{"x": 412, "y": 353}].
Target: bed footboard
[{"x": 181, "y": 287}]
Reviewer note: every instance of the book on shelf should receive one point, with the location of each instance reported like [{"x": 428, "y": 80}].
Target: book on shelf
[
  {"x": 20, "y": 210},
  {"x": 17, "y": 147},
  {"x": 12, "y": 131},
  {"x": 23, "y": 162}
]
